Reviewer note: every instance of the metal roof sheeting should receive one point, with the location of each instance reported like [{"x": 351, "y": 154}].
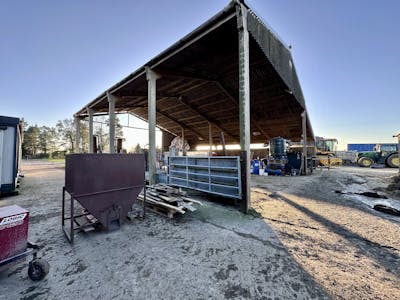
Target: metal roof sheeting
[{"x": 199, "y": 84}]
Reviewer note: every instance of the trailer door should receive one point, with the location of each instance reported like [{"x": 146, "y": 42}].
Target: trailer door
[{"x": 7, "y": 156}]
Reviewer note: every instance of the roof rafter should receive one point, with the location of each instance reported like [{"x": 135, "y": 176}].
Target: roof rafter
[
  {"x": 236, "y": 103},
  {"x": 208, "y": 119},
  {"x": 190, "y": 128}
]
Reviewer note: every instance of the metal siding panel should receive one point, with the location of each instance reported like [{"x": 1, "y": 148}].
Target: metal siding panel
[
  {"x": 278, "y": 55},
  {"x": 7, "y": 166},
  {"x": 15, "y": 158}
]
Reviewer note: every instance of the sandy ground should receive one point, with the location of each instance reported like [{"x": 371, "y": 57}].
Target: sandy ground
[
  {"x": 302, "y": 241},
  {"x": 347, "y": 247},
  {"x": 213, "y": 253}
]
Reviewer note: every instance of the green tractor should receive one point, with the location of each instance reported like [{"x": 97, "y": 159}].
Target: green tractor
[{"x": 382, "y": 154}]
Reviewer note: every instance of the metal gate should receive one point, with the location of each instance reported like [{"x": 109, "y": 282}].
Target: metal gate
[{"x": 218, "y": 175}]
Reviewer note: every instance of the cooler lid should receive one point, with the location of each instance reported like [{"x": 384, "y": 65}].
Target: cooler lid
[{"x": 11, "y": 210}]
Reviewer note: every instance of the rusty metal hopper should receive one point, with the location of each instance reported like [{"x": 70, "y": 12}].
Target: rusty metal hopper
[{"x": 106, "y": 185}]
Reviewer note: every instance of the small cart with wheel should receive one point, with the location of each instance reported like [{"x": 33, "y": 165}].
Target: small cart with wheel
[{"x": 14, "y": 245}]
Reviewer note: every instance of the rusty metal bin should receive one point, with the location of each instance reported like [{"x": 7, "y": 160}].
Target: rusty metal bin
[{"x": 105, "y": 185}]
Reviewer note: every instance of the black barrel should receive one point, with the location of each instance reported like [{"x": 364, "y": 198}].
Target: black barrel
[{"x": 277, "y": 147}]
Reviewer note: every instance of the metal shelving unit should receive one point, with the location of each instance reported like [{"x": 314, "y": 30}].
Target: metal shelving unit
[{"x": 218, "y": 175}]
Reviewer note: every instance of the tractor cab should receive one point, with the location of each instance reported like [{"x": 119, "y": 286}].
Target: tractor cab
[
  {"x": 325, "y": 146},
  {"x": 385, "y": 148},
  {"x": 385, "y": 154}
]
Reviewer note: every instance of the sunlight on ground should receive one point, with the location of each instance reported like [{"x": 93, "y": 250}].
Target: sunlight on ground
[{"x": 337, "y": 245}]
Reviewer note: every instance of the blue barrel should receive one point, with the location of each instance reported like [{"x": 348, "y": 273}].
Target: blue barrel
[
  {"x": 256, "y": 166},
  {"x": 277, "y": 147}
]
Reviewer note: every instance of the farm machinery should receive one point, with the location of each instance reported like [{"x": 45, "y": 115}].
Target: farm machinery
[{"x": 383, "y": 154}]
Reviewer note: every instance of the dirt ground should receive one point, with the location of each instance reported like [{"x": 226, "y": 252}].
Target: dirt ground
[
  {"x": 348, "y": 248},
  {"x": 302, "y": 241}
]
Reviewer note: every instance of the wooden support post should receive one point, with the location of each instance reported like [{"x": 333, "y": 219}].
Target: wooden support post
[
  {"x": 90, "y": 119},
  {"x": 304, "y": 136},
  {"x": 244, "y": 102},
  {"x": 223, "y": 143},
  {"x": 111, "y": 114},
  {"x": 183, "y": 141},
  {"x": 210, "y": 140},
  {"x": 244, "y": 181},
  {"x": 151, "y": 100},
  {"x": 77, "y": 135},
  {"x": 166, "y": 138}
]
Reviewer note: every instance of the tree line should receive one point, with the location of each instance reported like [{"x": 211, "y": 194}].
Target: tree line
[{"x": 55, "y": 142}]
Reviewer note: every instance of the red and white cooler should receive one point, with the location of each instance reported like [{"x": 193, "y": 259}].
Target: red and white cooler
[{"x": 13, "y": 231}]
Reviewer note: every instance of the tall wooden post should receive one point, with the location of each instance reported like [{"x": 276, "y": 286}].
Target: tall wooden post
[
  {"x": 244, "y": 101},
  {"x": 151, "y": 100},
  {"x": 77, "y": 135},
  {"x": 111, "y": 125},
  {"x": 210, "y": 139},
  {"x": 183, "y": 141},
  {"x": 304, "y": 125},
  {"x": 90, "y": 119}
]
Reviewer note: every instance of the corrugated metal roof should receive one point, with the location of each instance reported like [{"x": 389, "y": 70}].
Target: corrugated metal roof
[{"x": 199, "y": 84}]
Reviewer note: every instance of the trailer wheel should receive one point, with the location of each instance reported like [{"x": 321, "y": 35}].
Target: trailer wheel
[
  {"x": 38, "y": 269},
  {"x": 393, "y": 161},
  {"x": 365, "y": 162}
]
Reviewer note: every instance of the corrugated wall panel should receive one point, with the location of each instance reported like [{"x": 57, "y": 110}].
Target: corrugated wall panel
[{"x": 279, "y": 56}]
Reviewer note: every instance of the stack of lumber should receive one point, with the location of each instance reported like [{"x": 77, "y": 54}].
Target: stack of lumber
[{"x": 167, "y": 200}]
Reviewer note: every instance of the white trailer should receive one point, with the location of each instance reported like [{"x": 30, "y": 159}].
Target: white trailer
[{"x": 10, "y": 153}]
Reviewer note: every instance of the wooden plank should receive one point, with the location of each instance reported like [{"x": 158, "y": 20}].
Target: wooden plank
[
  {"x": 161, "y": 211},
  {"x": 153, "y": 201},
  {"x": 192, "y": 200},
  {"x": 168, "y": 199}
]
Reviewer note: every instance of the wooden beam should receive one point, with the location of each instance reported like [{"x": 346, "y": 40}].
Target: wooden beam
[
  {"x": 236, "y": 103},
  {"x": 187, "y": 75},
  {"x": 142, "y": 94},
  {"x": 208, "y": 119},
  {"x": 187, "y": 127},
  {"x": 144, "y": 119},
  {"x": 210, "y": 77},
  {"x": 195, "y": 86}
]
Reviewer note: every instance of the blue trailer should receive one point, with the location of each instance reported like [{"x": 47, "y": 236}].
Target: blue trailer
[
  {"x": 10, "y": 153},
  {"x": 360, "y": 147},
  {"x": 367, "y": 147}
]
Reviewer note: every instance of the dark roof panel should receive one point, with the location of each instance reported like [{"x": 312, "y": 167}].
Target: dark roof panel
[{"x": 199, "y": 84}]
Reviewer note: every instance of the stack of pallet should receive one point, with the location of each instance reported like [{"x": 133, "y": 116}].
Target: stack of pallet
[{"x": 167, "y": 200}]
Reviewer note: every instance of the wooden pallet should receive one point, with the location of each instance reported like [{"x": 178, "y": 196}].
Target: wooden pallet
[
  {"x": 168, "y": 201},
  {"x": 169, "y": 213}
]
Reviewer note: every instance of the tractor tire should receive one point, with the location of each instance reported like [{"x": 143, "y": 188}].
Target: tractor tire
[
  {"x": 393, "y": 161},
  {"x": 365, "y": 162},
  {"x": 38, "y": 269}
]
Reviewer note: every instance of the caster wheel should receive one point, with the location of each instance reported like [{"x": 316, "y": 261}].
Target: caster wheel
[{"x": 38, "y": 269}]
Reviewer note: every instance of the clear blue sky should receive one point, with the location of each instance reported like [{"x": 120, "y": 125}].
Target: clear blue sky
[{"x": 55, "y": 56}]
